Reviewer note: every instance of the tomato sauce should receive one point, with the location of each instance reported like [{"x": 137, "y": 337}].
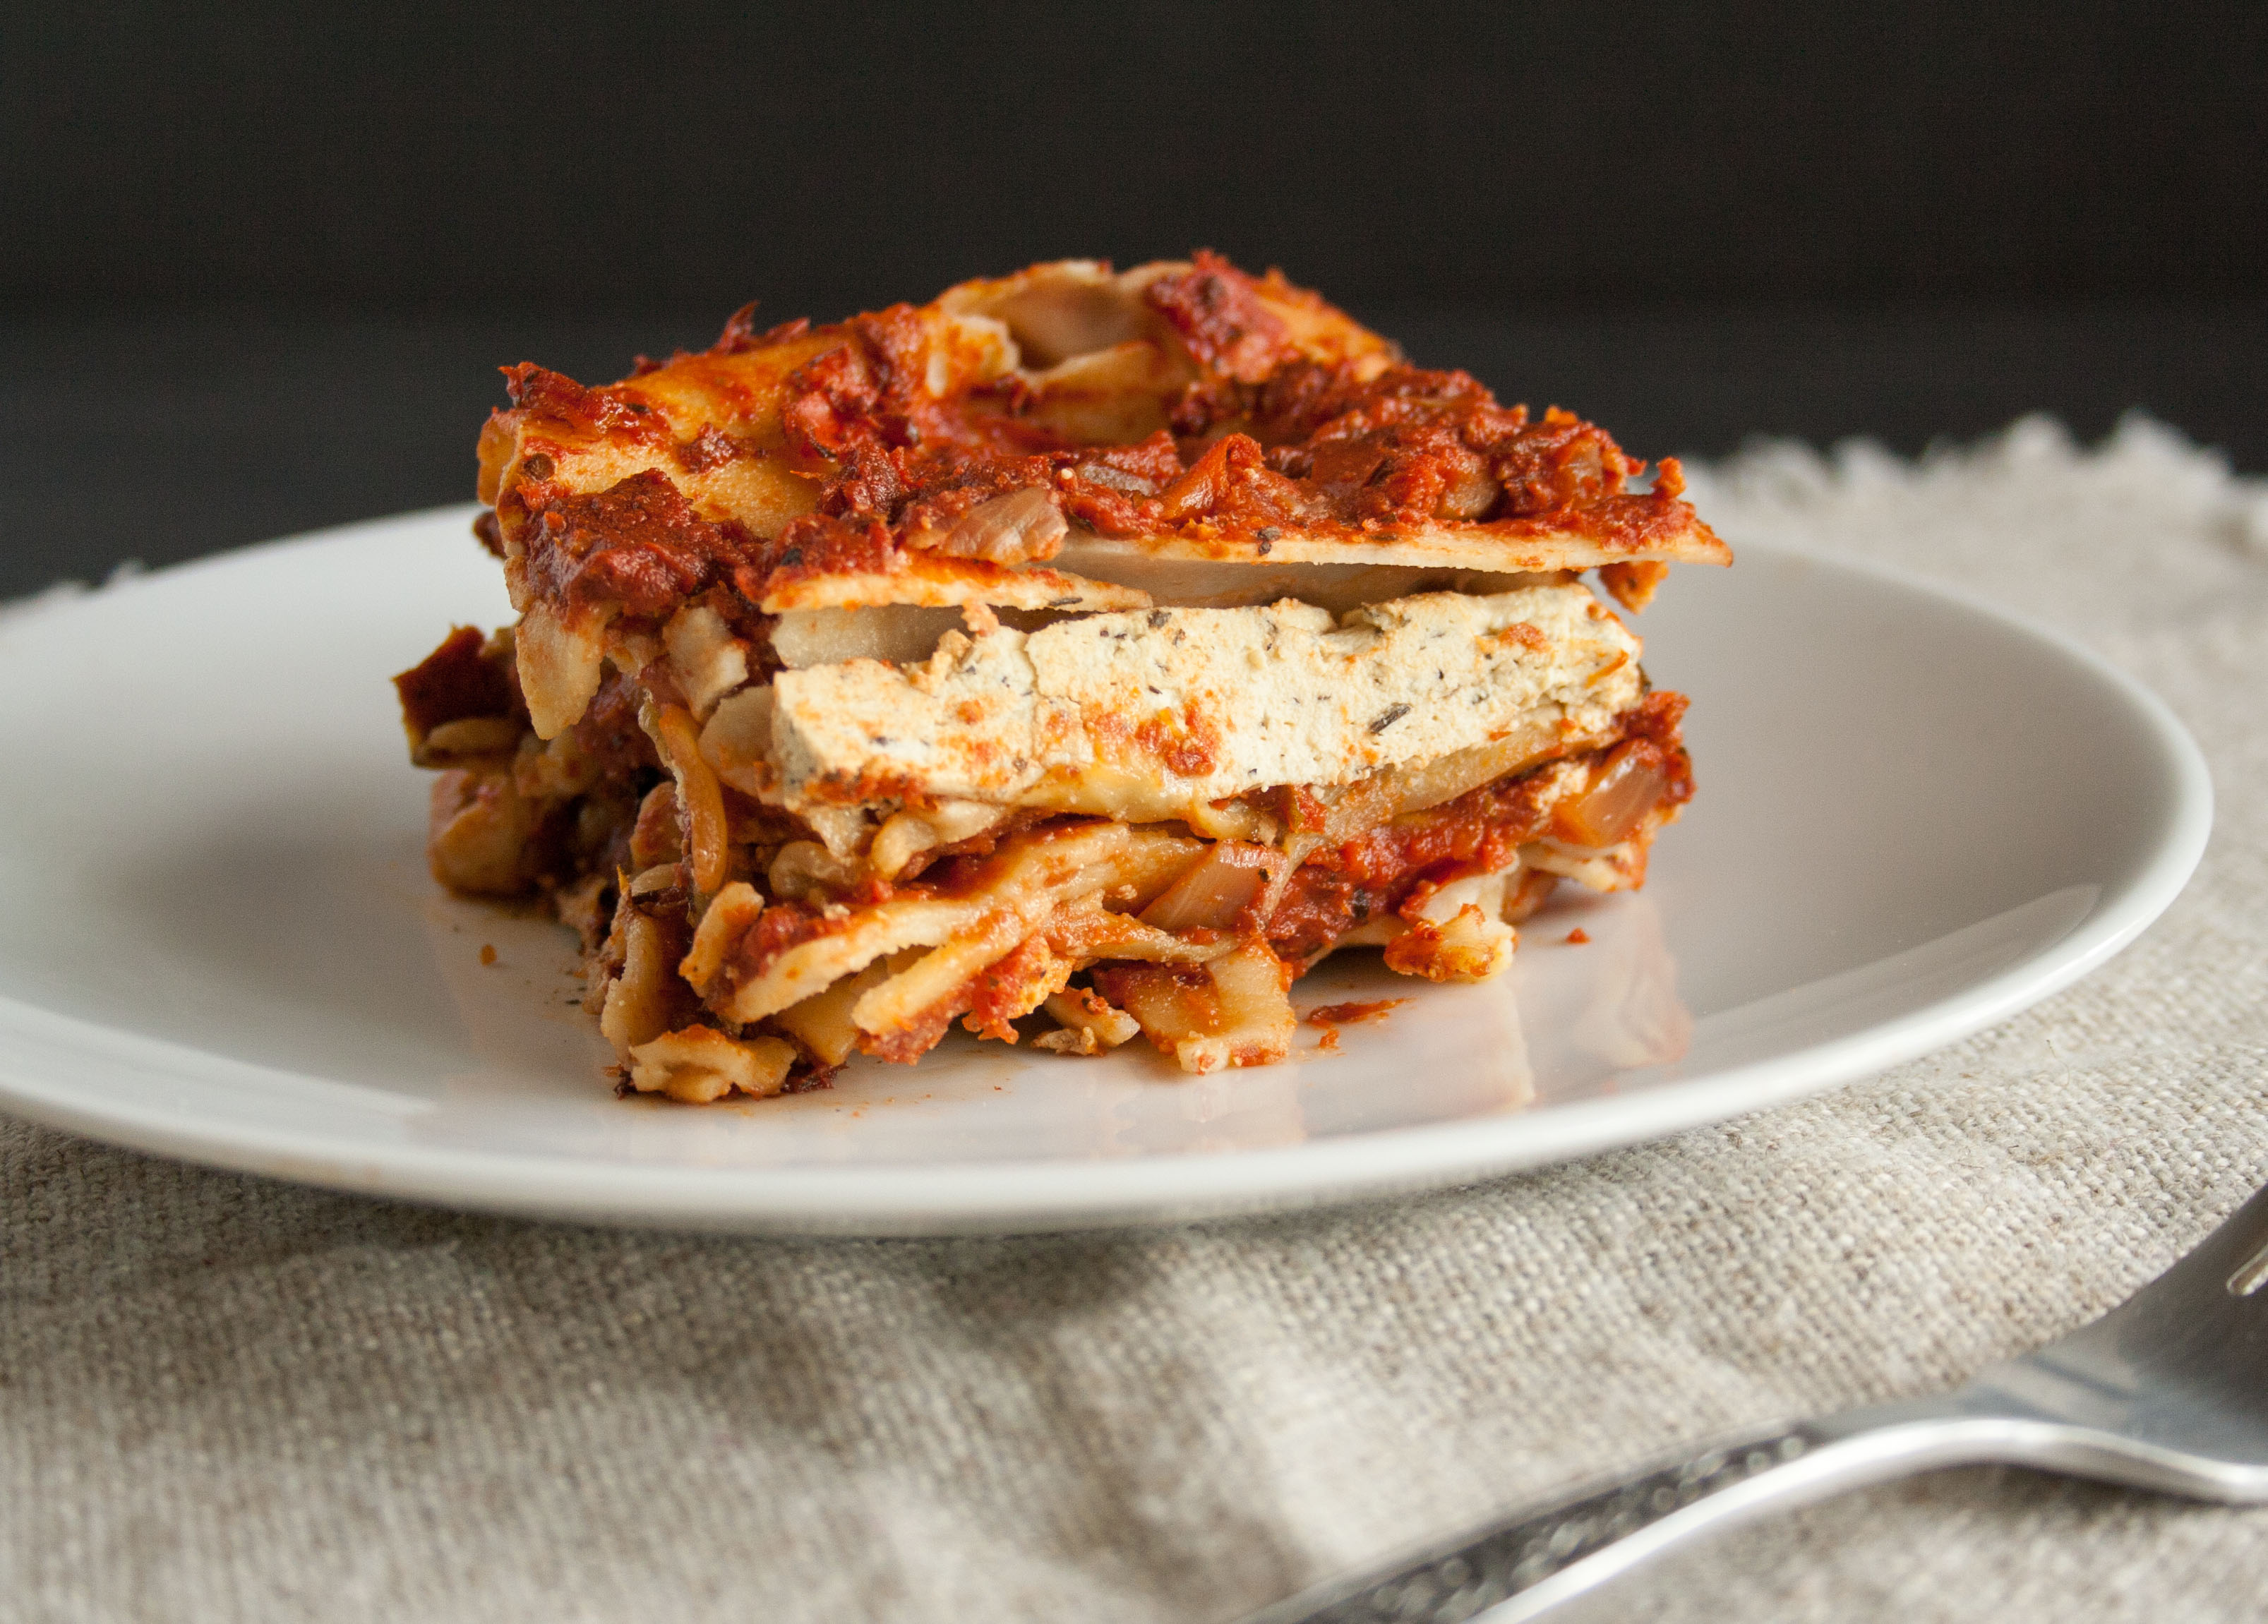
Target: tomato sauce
[{"x": 1265, "y": 438}]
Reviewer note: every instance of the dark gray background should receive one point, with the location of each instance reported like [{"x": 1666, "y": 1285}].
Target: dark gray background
[{"x": 263, "y": 262}]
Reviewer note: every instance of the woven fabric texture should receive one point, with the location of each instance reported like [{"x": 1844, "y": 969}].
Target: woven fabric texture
[{"x": 226, "y": 1398}]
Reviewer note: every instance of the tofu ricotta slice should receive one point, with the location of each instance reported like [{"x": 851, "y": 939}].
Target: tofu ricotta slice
[{"x": 1198, "y": 705}]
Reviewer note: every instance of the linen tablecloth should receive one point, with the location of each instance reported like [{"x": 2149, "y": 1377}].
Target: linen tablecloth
[{"x": 222, "y": 1397}]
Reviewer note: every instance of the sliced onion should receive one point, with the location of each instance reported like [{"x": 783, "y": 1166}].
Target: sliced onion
[
  {"x": 1623, "y": 792},
  {"x": 1216, "y": 887},
  {"x": 1471, "y": 491},
  {"x": 1022, "y": 527},
  {"x": 1248, "y": 578},
  {"x": 804, "y": 869},
  {"x": 899, "y": 633}
]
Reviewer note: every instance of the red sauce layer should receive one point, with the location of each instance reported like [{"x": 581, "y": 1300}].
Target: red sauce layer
[
  {"x": 455, "y": 682},
  {"x": 1266, "y": 439},
  {"x": 1478, "y": 832},
  {"x": 637, "y": 545}
]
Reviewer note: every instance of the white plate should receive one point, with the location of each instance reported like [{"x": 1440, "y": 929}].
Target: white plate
[{"x": 1916, "y": 816}]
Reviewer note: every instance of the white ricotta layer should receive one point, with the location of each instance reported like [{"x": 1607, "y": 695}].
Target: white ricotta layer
[{"x": 1129, "y": 714}]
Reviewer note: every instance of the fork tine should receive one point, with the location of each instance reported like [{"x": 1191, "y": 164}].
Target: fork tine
[
  {"x": 2250, "y": 1275},
  {"x": 2220, "y": 1274},
  {"x": 2181, "y": 1363}
]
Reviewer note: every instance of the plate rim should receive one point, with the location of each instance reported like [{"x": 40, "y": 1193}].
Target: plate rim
[{"x": 1039, "y": 1195}]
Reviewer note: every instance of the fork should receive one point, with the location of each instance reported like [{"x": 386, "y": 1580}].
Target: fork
[{"x": 2167, "y": 1392}]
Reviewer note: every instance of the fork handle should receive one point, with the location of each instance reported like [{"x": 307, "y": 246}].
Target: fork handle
[{"x": 1515, "y": 1569}]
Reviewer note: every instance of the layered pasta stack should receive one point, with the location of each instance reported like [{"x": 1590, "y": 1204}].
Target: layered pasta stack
[{"x": 1082, "y": 654}]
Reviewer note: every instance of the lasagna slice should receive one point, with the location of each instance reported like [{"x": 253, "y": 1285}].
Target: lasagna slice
[{"x": 1083, "y": 655}]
